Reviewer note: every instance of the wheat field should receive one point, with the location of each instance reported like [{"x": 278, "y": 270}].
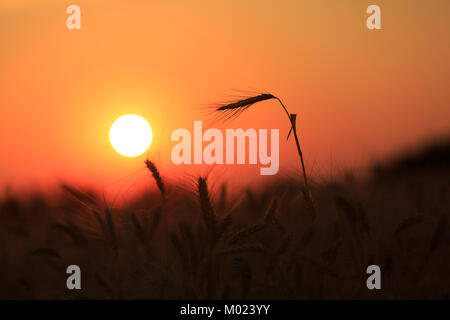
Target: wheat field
[{"x": 203, "y": 243}]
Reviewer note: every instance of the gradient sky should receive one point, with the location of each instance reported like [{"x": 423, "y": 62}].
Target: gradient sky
[{"x": 360, "y": 95}]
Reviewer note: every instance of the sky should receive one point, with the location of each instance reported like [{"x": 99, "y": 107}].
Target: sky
[{"x": 361, "y": 95}]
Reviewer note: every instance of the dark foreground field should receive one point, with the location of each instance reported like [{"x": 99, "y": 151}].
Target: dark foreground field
[{"x": 198, "y": 244}]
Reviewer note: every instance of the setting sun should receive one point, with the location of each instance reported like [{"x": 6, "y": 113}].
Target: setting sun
[{"x": 130, "y": 135}]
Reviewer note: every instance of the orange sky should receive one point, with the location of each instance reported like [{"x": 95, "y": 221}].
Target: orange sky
[{"x": 360, "y": 94}]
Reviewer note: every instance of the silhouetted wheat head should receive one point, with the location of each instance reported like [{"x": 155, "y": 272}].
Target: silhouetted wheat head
[
  {"x": 157, "y": 176},
  {"x": 233, "y": 109},
  {"x": 209, "y": 216}
]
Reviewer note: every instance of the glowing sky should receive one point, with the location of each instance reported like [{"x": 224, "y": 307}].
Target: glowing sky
[{"x": 360, "y": 95}]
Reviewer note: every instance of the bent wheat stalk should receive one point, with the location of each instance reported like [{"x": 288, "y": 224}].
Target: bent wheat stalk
[{"x": 235, "y": 108}]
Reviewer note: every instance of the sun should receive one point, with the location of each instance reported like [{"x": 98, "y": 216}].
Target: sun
[{"x": 130, "y": 135}]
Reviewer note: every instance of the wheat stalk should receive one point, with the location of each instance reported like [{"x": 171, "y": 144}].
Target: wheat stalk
[
  {"x": 270, "y": 216},
  {"x": 72, "y": 231},
  {"x": 408, "y": 223},
  {"x": 176, "y": 242},
  {"x": 157, "y": 176},
  {"x": 140, "y": 232},
  {"x": 235, "y": 108},
  {"x": 223, "y": 227},
  {"x": 349, "y": 213},
  {"x": 209, "y": 216},
  {"x": 157, "y": 213},
  {"x": 246, "y": 232}
]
